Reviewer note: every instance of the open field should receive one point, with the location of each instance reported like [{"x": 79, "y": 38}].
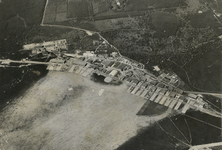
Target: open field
[
  {"x": 119, "y": 15},
  {"x": 51, "y": 116},
  {"x": 165, "y": 24},
  {"x": 30, "y": 11},
  {"x": 141, "y": 5},
  {"x": 118, "y": 23},
  {"x": 78, "y": 8},
  {"x": 100, "y": 6},
  {"x": 60, "y": 17},
  {"x": 50, "y": 18},
  {"x": 61, "y": 7},
  {"x": 56, "y": 11}
]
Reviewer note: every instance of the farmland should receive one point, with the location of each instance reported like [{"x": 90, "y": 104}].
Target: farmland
[
  {"x": 78, "y": 8},
  {"x": 104, "y": 15},
  {"x": 56, "y": 11}
]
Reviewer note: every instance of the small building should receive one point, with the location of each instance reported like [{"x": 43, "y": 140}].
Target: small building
[
  {"x": 89, "y": 54},
  {"x": 156, "y": 68},
  {"x": 96, "y": 42},
  {"x": 57, "y": 61},
  {"x": 113, "y": 73},
  {"x": 114, "y": 54},
  {"x": 107, "y": 63},
  {"x": 192, "y": 95},
  {"x": 108, "y": 79},
  {"x": 49, "y": 46}
]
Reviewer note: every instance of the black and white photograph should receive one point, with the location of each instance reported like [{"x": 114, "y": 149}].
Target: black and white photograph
[{"x": 110, "y": 74}]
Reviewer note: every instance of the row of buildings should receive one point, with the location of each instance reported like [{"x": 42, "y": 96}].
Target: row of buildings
[
  {"x": 163, "y": 95},
  {"x": 149, "y": 87},
  {"x": 46, "y": 47},
  {"x": 163, "y": 89}
]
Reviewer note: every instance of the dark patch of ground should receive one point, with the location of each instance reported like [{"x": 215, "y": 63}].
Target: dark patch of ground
[
  {"x": 154, "y": 138},
  {"x": 200, "y": 132},
  {"x": 154, "y": 109},
  {"x": 100, "y": 6},
  {"x": 205, "y": 71},
  {"x": 165, "y": 24},
  {"x": 200, "y": 20},
  {"x": 98, "y": 79},
  {"x": 205, "y": 19},
  {"x": 174, "y": 132},
  {"x": 78, "y": 9},
  {"x": 14, "y": 82},
  {"x": 31, "y": 11},
  {"x": 145, "y": 4}
]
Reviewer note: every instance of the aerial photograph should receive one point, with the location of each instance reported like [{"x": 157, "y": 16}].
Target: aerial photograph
[{"x": 110, "y": 74}]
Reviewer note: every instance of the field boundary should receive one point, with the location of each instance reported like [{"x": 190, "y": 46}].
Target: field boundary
[
  {"x": 43, "y": 17},
  {"x": 76, "y": 28}
]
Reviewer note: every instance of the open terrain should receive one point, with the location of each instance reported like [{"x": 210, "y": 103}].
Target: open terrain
[
  {"x": 188, "y": 44},
  {"x": 66, "y": 111},
  {"x": 26, "y": 13}
]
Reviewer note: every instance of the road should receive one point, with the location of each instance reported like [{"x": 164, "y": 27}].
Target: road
[
  {"x": 8, "y": 61},
  {"x": 205, "y": 146},
  {"x": 219, "y": 95}
]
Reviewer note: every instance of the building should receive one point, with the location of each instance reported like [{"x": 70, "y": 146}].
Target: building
[
  {"x": 156, "y": 68},
  {"x": 96, "y": 42},
  {"x": 113, "y": 73},
  {"x": 46, "y": 47},
  {"x": 89, "y": 54},
  {"x": 109, "y": 78},
  {"x": 49, "y": 46}
]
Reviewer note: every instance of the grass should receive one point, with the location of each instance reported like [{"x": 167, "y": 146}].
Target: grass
[
  {"x": 60, "y": 17},
  {"x": 31, "y": 11},
  {"x": 166, "y": 24},
  {"x": 56, "y": 11},
  {"x": 139, "y": 5},
  {"x": 51, "y": 9},
  {"x": 61, "y": 8},
  {"x": 100, "y": 6},
  {"x": 78, "y": 9},
  {"x": 49, "y": 18}
]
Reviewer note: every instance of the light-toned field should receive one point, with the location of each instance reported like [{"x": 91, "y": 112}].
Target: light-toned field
[
  {"x": 55, "y": 11},
  {"x": 64, "y": 111}
]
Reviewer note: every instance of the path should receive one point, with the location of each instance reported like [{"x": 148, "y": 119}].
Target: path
[
  {"x": 22, "y": 20},
  {"x": 219, "y": 95},
  {"x": 76, "y": 28},
  {"x": 8, "y": 61},
  {"x": 205, "y": 146}
]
